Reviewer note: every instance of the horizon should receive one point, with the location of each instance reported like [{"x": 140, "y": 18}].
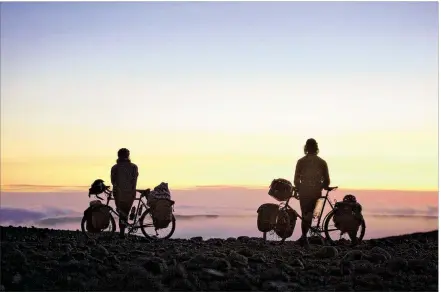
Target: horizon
[
  {"x": 219, "y": 93},
  {"x": 226, "y": 212},
  {"x": 27, "y": 188}
]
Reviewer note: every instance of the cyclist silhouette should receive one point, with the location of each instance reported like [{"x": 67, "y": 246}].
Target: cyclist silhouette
[
  {"x": 124, "y": 176},
  {"x": 311, "y": 176}
]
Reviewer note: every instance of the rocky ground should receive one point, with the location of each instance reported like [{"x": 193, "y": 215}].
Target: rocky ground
[{"x": 51, "y": 260}]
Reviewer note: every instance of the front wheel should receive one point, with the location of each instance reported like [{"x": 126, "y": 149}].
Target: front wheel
[
  {"x": 149, "y": 231},
  {"x": 110, "y": 229},
  {"x": 334, "y": 235}
]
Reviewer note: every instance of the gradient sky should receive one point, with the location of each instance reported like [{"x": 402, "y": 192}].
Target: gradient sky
[{"x": 220, "y": 93}]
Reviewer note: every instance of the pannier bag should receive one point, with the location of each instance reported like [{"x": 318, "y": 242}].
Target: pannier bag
[
  {"x": 97, "y": 187},
  {"x": 97, "y": 217},
  {"x": 280, "y": 189},
  {"x": 347, "y": 215},
  {"x": 161, "y": 212},
  {"x": 286, "y": 223},
  {"x": 160, "y": 192},
  {"x": 267, "y": 217}
]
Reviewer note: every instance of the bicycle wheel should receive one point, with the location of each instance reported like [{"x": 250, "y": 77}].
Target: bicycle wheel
[
  {"x": 334, "y": 235},
  {"x": 146, "y": 223},
  {"x": 109, "y": 230},
  {"x": 272, "y": 234}
]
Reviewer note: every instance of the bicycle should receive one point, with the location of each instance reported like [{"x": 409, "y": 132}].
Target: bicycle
[
  {"x": 139, "y": 221},
  {"x": 319, "y": 228}
]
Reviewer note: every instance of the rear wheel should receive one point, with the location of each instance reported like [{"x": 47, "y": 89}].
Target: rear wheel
[
  {"x": 109, "y": 230},
  {"x": 149, "y": 231},
  {"x": 334, "y": 235}
]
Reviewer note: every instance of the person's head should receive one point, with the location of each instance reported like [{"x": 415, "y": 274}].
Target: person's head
[
  {"x": 311, "y": 147},
  {"x": 123, "y": 153}
]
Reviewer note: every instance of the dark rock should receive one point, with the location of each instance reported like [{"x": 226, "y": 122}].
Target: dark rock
[
  {"x": 274, "y": 286},
  {"x": 370, "y": 281},
  {"x": 343, "y": 287},
  {"x": 100, "y": 251},
  {"x": 66, "y": 248},
  {"x": 362, "y": 267},
  {"x": 334, "y": 271},
  {"x": 65, "y": 257},
  {"x": 296, "y": 253},
  {"x": 79, "y": 255},
  {"x": 113, "y": 259},
  {"x": 289, "y": 269},
  {"x": 397, "y": 264},
  {"x": 71, "y": 265},
  {"x": 197, "y": 239},
  {"x": 213, "y": 272},
  {"x": 17, "y": 278},
  {"x": 237, "y": 259},
  {"x": 62, "y": 261},
  {"x": 180, "y": 271},
  {"x": 327, "y": 252},
  {"x": 417, "y": 264},
  {"x": 381, "y": 251},
  {"x": 238, "y": 284},
  {"x": 155, "y": 265},
  {"x": 91, "y": 242},
  {"x": 18, "y": 257},
  {"x": 298, "y": 264},
  {"x": 243, "y": 239},
  {"x": 221, "y": 264},
  {"x": 376, "y": 257},
  {"x": 257, "y": 258},
  {"x": 141, "y": 252},
  {"x": 245, "y": 252},
  {"x": 274, "y": 274},
  {"x": 353, "y": 255},
  {"x": 183, "y": 285}
]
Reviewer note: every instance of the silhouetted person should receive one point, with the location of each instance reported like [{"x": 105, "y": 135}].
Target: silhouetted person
[
  {"x": 124, "y": 176},
  {"x": 311, "y": 176}
]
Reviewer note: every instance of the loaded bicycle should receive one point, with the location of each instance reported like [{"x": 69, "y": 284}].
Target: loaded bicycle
[
  {"x": 283, "y": 219},
  {"x": 139, "y": 218}
]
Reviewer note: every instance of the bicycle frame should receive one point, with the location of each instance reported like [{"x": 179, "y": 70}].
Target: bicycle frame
[
  {"x": 131, "y": 226},
  {"x": 314, "y": 229}
]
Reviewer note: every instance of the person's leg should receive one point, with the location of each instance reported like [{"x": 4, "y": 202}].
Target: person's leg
[
  {"x": 123, "y": 210},
  {"x": 124, "y": 207},
  {"x": 307, "y": 205}
]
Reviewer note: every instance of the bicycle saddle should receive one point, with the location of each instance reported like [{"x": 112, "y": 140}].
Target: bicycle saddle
[{"x": 330, "y": 188}]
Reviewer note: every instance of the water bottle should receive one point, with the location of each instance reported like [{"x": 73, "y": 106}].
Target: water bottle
[
  {"x": 318, "y": 207},
  {"x": 140, "y": 210},
  {"x": 132, "y": 213}
]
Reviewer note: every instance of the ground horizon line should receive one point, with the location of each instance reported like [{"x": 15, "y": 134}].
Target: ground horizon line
[{"x": 75, "y": 188}]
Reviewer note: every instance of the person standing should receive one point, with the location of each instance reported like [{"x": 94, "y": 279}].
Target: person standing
[
  {"x": 124, "y": 177},
  {"x": 311, "y": 176}
]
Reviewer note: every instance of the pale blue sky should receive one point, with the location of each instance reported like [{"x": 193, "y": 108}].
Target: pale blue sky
[
  {"x": 72, "y": 73},
  {"x": 78, "y": 58}
]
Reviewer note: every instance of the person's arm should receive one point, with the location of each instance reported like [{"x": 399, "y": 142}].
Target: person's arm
[
  {"x": 135, "y": 176},
  {"x": 326, "y": 179},
  {"x": 297, "y": 174},
  {"x": 113, "y": 175}
]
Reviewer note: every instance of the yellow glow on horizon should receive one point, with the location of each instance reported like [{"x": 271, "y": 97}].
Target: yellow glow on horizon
[{"x": 370, "y": 160}]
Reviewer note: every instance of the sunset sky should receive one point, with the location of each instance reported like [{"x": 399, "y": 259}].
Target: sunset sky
[{"x": 220, "y": 93}]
